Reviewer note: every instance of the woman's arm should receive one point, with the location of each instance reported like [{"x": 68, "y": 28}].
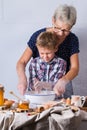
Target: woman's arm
[
  {"x": 20, "y": 67},
  {"x": 59, "y": 88},
  {"x": 74, "y": 67}
]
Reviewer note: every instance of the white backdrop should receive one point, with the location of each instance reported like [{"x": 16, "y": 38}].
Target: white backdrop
[{"x": 18, "y": 20}]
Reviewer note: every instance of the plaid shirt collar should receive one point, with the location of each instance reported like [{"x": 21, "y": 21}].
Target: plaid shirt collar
[{"x": 53, "y": 61}]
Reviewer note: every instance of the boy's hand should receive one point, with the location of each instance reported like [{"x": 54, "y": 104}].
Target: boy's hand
[{"x": 39, "y": 85}]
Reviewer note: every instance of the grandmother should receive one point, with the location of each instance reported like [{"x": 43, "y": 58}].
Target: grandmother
[{"x": 64, "y": 18}]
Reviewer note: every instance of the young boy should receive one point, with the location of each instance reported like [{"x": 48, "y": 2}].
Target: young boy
[{"x": 45, "y": 70}]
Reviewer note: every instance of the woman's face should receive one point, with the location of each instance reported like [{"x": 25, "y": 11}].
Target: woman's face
[{"x": 61, "y": 29}]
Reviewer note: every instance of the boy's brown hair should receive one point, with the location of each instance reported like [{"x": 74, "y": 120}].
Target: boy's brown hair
[{"x": 48, "y": 40}]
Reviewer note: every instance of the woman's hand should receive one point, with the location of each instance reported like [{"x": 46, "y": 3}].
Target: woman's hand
[
  {"x": 20, "y": 67},
  {"x": 60, "y": 86}
]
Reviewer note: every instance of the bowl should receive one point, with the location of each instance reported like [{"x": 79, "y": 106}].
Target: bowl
[{"x": 40, "y": 98}]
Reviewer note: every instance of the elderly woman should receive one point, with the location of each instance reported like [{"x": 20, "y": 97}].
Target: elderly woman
[{"x": 64, "y": 18}]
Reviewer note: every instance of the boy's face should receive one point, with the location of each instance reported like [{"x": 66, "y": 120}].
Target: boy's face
[{"x": 46, "y": 54}]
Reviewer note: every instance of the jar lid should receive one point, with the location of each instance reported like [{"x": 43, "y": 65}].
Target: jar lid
[{"x": 1, "y": 86}]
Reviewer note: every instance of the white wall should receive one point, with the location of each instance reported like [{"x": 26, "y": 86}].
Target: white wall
[{"x": 18, "y": 20}]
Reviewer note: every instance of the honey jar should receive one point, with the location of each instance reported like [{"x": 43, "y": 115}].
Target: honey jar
[
  {"x": 23, "y": 104},
  {"x": 1, "y": 95}
]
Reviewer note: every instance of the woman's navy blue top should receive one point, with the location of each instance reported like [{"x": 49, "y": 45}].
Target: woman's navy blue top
[{"x": 66, "y": 49}]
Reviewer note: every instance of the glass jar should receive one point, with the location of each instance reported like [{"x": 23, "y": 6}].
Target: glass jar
[
  {"x": 1, "y": 95},
  {"x": 23, "y": 104}
]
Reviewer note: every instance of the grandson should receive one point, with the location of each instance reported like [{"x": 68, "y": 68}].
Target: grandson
[{"x": 45, "y": 70}]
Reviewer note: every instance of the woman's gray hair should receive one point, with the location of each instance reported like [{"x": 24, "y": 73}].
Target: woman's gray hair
[{"x": 66, "y": 14}]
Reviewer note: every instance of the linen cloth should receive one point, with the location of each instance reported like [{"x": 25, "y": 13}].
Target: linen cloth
[{"x": 57, "y": 118}]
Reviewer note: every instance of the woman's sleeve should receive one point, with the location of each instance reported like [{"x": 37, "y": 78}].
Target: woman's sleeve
[{"x": 74, "y": 45}]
